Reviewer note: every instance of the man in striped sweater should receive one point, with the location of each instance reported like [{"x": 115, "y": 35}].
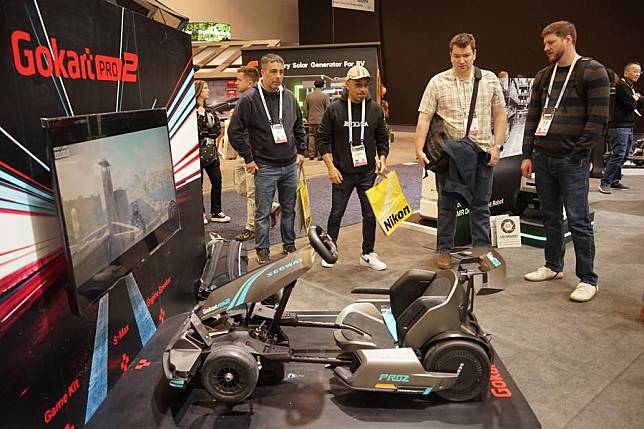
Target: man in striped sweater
[{"x": 567, "y": 116}]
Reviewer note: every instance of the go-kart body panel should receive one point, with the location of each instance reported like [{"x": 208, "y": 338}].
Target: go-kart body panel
[
  {"x": 258, "y": 284},
  {"x": 394, "y": 370}
]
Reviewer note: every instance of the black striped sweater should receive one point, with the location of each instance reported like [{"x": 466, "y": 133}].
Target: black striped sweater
[{"x": 580, "y": 121}]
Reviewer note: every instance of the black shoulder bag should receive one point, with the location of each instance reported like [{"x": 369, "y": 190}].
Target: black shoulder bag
[{"x": 437, "y": 137}]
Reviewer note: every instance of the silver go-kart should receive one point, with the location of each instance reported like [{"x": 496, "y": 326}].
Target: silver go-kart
[{"x": 420, "y": 337}]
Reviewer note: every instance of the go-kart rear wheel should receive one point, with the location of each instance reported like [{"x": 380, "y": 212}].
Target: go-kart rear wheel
[
  {"x": 229, "y": 373},
  {"x": 447, "y": 356}
]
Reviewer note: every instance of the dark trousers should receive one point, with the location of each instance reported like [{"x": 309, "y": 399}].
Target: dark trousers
[
  {"x": 214, "y": 174},
  {"x": 312, "y": 146},
  {"x": 340, "y": 195},
  {"x": 563, "y": 182},
  {"x": 479, "y": 211},
  {"x": 621, "y": 140}
]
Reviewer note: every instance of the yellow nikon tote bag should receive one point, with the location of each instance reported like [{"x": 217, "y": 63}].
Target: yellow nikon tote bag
[
  {"x": 303, "y": 204},
  {"x": 389, "y": 203}
]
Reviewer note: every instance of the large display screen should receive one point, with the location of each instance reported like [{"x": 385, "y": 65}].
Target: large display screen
[{"x": 115, "y": 191}]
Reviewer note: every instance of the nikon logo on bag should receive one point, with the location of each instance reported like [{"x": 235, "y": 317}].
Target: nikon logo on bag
[
  {"x": 397, "y": 218},
  {"x": 389, "y": 203}
]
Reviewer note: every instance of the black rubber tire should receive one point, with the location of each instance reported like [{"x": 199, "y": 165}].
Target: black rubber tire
[
  {"x": 229, "y": 373},
  {"x": 272, "y": 372},
  {"x": 446, "y": 356}
]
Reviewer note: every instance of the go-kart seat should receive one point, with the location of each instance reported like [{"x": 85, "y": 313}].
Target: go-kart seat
[
  {"x": 411, "y": 285},
  {"x": 420, "y": 314}
]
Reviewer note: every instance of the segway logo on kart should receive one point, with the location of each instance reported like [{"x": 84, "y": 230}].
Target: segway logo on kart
[
  {"x": 284, "y": 267},
  {"x": 223, "y": 303},
  {"x": 49, "y": 60},
  {"x": 395, "y": 218},
  {"x": 400, "y": 378}
]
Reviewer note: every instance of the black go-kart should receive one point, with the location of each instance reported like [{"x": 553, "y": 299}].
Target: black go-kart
[{"x": 420, "y": 337}]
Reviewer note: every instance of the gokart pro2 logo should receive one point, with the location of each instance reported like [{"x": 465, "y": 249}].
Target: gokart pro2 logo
[{"x": 51, "y": 60}]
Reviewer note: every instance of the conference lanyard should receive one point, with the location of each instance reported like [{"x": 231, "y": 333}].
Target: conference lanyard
[
  {"x": 563, "y": 88},
  {"x": 362, "y": 122},
  {"x": 261, "y": 94}
]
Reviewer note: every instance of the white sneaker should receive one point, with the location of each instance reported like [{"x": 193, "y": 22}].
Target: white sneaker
[
  {"x": 542, "y": 274},
  {"x": 205, "y": 220},
  {"x": 371, "y": 260},
  {"x": 325, "y": 264},
  {"x": 220, "y": 217},
  {"x": 584, "y": 292}
]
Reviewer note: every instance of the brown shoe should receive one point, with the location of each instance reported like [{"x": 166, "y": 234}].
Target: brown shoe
[{"x": 444, "y": 260}]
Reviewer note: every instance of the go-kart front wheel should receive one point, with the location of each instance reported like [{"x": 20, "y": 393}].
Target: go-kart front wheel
[
  {"x": 229, "y": 373},
  {"x": 474, "y": 378}
]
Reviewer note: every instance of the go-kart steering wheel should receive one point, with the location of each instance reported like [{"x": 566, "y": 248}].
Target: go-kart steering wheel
[{"x": 323, "y": 244}]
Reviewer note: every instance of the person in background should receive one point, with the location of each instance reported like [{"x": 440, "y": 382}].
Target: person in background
[
  {"x": 354, "y": 146},
  {"x": 247, "y": 77},
  {"x": 620, "y": 128},
  {"x": 209, "y": 130},
  {"x": 274, "y": 150},
  {"x": 315, "y": 104}
]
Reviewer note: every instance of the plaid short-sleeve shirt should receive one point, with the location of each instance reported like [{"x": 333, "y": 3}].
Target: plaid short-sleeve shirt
[{"x": 450, "y": 97}]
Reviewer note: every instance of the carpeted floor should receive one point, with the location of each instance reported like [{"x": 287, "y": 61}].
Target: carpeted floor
[{"x": 234, "y": 205}]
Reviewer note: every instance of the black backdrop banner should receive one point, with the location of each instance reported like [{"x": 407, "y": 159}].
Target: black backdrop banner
[
  {"x": 65, "y": 58},
  {"x": 305, "y": 64}
]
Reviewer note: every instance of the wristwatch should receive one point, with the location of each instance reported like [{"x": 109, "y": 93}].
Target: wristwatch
[{"x": 500, "y": 147}]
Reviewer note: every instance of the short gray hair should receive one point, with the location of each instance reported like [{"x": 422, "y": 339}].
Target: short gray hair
[{"x": 270, "y": 58}]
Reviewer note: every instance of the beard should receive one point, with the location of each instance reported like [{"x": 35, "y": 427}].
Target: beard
[{"x": 556, "y": 57}]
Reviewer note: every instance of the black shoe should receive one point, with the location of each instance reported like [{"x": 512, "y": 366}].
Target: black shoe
[
  {"x": 288, "y": 248},
  {"x": 245, "y": 235},
  {"x": 619, "y": 185},
  {"x": 263, "y": 256}
]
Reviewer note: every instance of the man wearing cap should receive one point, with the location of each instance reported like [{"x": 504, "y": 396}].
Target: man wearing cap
[
  {"x": 448, "y": 95},
  {"x": 274, "y": 151},
  {"x": 352, "y": 140}
]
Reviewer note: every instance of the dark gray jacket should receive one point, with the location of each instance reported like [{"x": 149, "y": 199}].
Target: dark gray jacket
[
  {"x": 250, "y": 115},
  {"x": 465, "y": 158}
]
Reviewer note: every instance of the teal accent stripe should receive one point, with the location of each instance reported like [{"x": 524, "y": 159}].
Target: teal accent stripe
[
  {"x": 191, "y": 94},
  {"x": 539, "y": 238},
  {"x": 97, "y": 389},
  {"x": 427, "y": 391},
  {"x": 391, "y": 324},
  {"x": 142, "y": 315},
  {"x": 240, "y": 296},
  {"x": 19, "y": 183}
]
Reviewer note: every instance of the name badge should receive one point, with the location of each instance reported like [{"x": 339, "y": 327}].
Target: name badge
[
  {"x": 359, "y": 155},
  {"x": 279, "y": 135},
  {"x": 474, "y": 128},
  {"x": 546, "y": 120}
]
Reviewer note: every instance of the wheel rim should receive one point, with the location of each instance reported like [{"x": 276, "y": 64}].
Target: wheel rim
[
  {"x": 471, "y": 373},
  {"x": 229, "y": 379}
]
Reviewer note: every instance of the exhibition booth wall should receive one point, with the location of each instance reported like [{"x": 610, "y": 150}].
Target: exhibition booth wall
[
  {"x": 61, "y": 354},
  {"x": 414, "y": 37}
]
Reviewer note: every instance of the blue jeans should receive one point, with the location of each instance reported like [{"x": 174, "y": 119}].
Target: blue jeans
[
  {"x": 340, "y": 195},
  {"x": 479, "y": 211},
  {"x": 621, "y": 140},
  {"x": 269, "y": 178},
  {"x": 563, "y": 182}
]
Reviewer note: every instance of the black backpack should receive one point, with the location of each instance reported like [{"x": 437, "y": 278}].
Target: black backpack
[
  {"x": 225, "y": 261},
  {"x": 579, "y": 84}
]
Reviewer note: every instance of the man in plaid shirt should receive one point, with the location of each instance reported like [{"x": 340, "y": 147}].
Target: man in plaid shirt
[{"x": 448, "y": 94}]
